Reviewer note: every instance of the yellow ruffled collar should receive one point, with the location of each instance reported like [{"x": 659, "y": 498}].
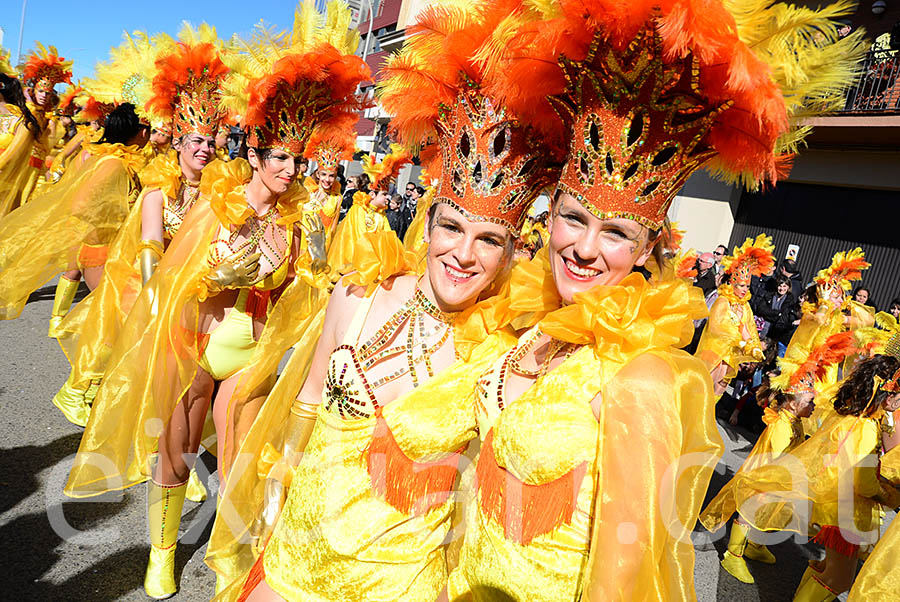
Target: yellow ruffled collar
[
  {"x": 130, "y": 155},
  {"x": 224, "y": 184},
  {"x": 163, "y": 172},
  {"x": 312, "y": 186},
  {"x": 727, "y": 291},
  {"x": 618, "y": 321}
]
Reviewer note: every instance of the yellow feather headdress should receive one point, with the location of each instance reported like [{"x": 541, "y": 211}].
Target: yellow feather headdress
[
  {"x": 382, "y": 174},
  {"x": 753, "y": 258},
  {"x": 124, "y": 77},
  {"x": 5, "y": 66},
  {"x": 846, "y": 266}
]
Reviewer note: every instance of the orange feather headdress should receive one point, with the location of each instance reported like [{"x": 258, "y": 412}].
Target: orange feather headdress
[
  {"x": 44, "y": 68},
  {"x": 491, "y": 166},
  {"x": 286, "y": 86},
  {"x": 332, "y": 142},
  {"x": 187, "y": 82},
  {"x": 92, "y": 109},
  {"x": 686, "y": 264},
  {"x": 753, "y": 258},
  {"x": 648, "y": 91},
  {"x": 801, "y": 378},
  {"x": 382, "y": 174},
  {"x": 845, "y": 267},
  {"x": 67, "y": 104}
]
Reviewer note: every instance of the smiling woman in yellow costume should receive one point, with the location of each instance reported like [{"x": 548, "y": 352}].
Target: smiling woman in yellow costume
[
  {"x": 23, "y": 144},
  {"x": 194, "y": 328},
  {"x": 730, "y": 337},
  {"x": 588, "y": 418},
  {"x": 184, "y": 76},
  {"x": 329, "y": 149},
  {"x": 385, "y": 407},
  {"x": 784, "y": 431}
]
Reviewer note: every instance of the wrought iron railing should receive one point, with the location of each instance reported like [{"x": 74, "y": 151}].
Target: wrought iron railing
[{"x": 878, "y": 88}]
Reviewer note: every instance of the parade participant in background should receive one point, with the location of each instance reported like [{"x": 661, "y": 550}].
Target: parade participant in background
[
  {"x": 390, "y": 507},
  {"x": 794, "y": 400},
  {"x": 194, "y": 328},
  {"x": 180, "y": 78},
  {"x": 328, "y": 149},
  {"x": 19, "y": 130},
  {"x": 91, "y": 115},
  {"x": 367, "y": 212},
  {"x": 730, "y": 337},
  {"x": 70, "y": 226},
  {"x": 22, "y": 157},
  {"x": 601, "y": 372},
  {"x": 161, "y": 137}
]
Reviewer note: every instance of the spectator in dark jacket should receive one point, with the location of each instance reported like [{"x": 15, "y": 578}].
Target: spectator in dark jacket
[
  {"x": 706, "y": 273},
  {"x": 394, "y": 215},
  {"x": 779, "y": 310}
]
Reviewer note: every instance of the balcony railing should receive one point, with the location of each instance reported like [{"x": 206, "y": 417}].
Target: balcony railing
[{"x": 878, "y": 88}]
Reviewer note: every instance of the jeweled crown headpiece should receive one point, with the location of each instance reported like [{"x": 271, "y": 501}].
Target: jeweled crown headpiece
[
  {"x": 44, "y": 68},
  {"x": 491, "y": 166},
  {"x": 123, "y": 78},
  {"x": 648, "y": 92},
  {"x": 285, "y": 86},
  {"x": 382, "y": 174},
  {"x": 846, "y": 266},
  {"x": 802, "y": 378},
  {"x": 753, "y": 258},
  {"x": 332, "y": 142},
  {"x": 187, "y": 80}
]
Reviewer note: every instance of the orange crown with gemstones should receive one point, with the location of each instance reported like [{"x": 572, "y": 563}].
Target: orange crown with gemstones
[
  {"x": 187, "y": 82},
  {"x": 286, "y": 86},
  {"x": 91, "y": 109},
  {"x": 491, "y": 166},
  {"x": 753, "y": 258},
  {"x": 648, "y": 91},
  {"x": 382, "y": 174},
  {"x": 846, "y": 266},
  {"x": 801, "y": 378},
  {"x": 332, "y": 143},
  {"x": 44, "y": 68}
]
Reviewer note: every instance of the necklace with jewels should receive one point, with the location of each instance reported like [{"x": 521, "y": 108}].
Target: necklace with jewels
[
  {"x": 554, "y": 347},
  {"x": 420, "y": 344}
]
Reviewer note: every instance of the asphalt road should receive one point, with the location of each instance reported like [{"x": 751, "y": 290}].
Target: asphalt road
[{"x": 53, "y": 548}]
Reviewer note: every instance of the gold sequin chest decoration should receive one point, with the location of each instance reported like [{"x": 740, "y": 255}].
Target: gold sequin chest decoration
[
  {"x": 227, "y": 248},
  {"x": 175, "y": 210}
]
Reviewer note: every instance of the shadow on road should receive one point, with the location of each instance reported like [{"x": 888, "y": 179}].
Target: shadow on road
[{"x": 19, "y": 467}]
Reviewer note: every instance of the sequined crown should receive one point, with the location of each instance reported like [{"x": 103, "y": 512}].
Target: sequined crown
[
  {"x": 638, "y": 131},
  {"x": 753, "y": 258},
  {"x": 291, "y": 114},
  {"x": 44, "y": 68},
  {"x": 328, "y": 156},
  {"x": 492, "y": 167},
  {"x": 197, "y": 109}
]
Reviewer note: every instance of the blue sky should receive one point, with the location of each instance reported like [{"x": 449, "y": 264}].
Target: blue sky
[{"x": 84, "y": 31}]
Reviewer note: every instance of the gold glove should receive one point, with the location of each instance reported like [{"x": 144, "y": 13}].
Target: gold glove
[
  {"x": 149, "y": 252},
  {"x": 301, "y": 422},
  {"x": 314, "y": 230},
  {"x": 241, "y": 274}
]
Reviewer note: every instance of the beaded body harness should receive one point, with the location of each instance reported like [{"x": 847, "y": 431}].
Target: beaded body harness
[
  {"x": 174, "y": 210},
  {"x": 225, "y": 247}
]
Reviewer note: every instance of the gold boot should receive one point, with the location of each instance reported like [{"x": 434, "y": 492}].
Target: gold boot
[
  {"x": 733, "y": 560},
  {"x": 759, "y": 553},
  {"x": 164, "y": 504},
  {"x": 72, "y": 403},
  {"x": 62, "y": 301},
  {"x": 812, "y": 590},
  {"x": 196, "y": 492}
]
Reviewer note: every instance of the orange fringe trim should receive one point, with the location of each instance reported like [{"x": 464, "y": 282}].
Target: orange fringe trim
[
  {"x": 256, "y": 576},
  {"x": 92, "y": 256},
  {"x": 830, "y": 537},
  {"x": 525, "y": 511},
  {"x": 410, "y": 487}
]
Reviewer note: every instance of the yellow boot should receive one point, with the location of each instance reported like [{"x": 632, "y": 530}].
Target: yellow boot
[
  {"x": 164, "y": 504},
  {"x": 62, "y": 301},
  {"x": 759, "y": 553},
  {"x": 196, "y": 492},
  {"x": 812, "y": 590},
  {"x": 733, "y": 560},
  {"x": 72, "y": 403}
]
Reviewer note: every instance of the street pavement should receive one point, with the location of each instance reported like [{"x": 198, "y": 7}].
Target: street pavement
[{"x": 54, "y": 548}]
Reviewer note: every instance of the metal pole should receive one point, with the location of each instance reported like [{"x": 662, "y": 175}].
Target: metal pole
[
  {"x": 21, "y": 32},
  {"x": 368, "y": 35}
]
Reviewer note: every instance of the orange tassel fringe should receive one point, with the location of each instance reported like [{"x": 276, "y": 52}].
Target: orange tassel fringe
[
  {"x": 409, "y": 486},
  {"x": 830, "y": 537},
  {"x": 525, "y": 511}
]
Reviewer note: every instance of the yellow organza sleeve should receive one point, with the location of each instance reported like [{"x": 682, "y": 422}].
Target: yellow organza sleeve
[
  {"x": 879, "y": 579},
  {"x": 414, "y": 239},
  {"x": 360, "y": 219},
  {"x": 659, "y": 408},
  {"x": 44, "y": 237},
  {"x": 15, "y": 171},
  {"x": 151, "y": 366}
]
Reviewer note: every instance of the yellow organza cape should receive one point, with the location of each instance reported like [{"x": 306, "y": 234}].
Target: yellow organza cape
[
  {"x": 361, "y": 218},
  {"x": 16, "y": 172},
  {"x": 44, "y": 237},
  {"x": 657, "y": 405},
  {"x": 155, "y": 356},
  {"x": 722, "y": 336},
  {"x": 90, "y": 330}
]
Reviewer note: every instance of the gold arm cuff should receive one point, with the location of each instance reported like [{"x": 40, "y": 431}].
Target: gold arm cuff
[
  {"x": 304, "y": 409},
  {"x": 151, "y": 245}
]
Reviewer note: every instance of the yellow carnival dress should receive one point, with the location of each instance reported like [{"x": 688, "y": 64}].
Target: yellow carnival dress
[
  {"x": 16, "y": 165},
  {"x": 329, "y": 209},
  {"x": 70, "y": 226},
  {"x": 414, "y": 240},
  {"x": 90, "y": 330},
  {"x": 361, "y": 218},
  {"x": 722, "y": 341},
  {"x": 370, "y": 503},
  {"x": 823, "y": 483},
  {"x": 546, "y": 459},
  {"x": 783, "y": 432},
  {"x": 160, "y": 346}
]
